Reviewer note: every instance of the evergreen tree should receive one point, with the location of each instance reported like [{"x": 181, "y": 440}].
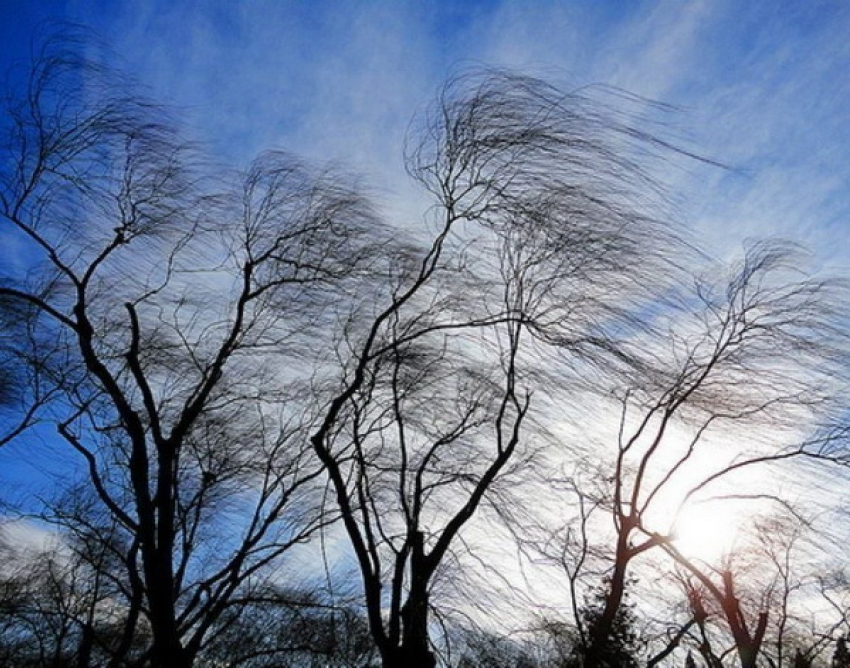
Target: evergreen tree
[
  {"x": 624, "y": 644},
  {"x": 801, "y": 661},
  {"x": 841, "y": 658}
]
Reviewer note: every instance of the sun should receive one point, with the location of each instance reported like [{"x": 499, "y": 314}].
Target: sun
[{"x": 706, "y": 531}]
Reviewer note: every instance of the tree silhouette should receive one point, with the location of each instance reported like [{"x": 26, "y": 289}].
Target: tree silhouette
[
  {"x": 539, "y": 243},
  {"x": 841, "y": 657},
  {"x": 240, "y": 361},
  {"x": 163, "y": 304},
  {"x": 721, "y": 374},
  {"x": 623, "y": 646}
]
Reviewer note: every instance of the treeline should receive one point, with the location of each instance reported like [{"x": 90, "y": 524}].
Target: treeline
[
  {"x": 58, "y": 613},
  {"x": 293, "y": 432}
]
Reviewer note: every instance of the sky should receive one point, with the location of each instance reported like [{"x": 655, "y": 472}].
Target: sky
[{"x": 758, "y": 85}]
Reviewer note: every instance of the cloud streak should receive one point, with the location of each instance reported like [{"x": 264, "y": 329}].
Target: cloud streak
[{"x": 759, "y": 86}]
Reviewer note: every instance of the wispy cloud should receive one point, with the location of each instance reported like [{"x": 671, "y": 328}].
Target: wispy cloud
[{"x": 760, "y": 85}]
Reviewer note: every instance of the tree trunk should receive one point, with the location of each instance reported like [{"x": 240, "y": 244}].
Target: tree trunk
[
  {"x": 85, "y": 648},
  {"x": 414, "y": 650},
  {"x": 408, "y": 657},
  {"x": 748, "y": 656},
  {"x": 168, "y": 651},
  {"x": 405, "y": 657},
  {"x": 749, "y": 644},
  {"x": 600, "y": 631}
]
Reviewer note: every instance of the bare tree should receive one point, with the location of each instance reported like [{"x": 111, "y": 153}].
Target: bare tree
[
  {"x": 293, "y": 627},
  {"x": 215, "y": 345},
  {"x": 762, "y": 604},
  {"x": 755, "y": 350},
  {"x": 171, "y": 318},
  {"x": 539, "y": 243},
  {"x": 58, "y": 606}
]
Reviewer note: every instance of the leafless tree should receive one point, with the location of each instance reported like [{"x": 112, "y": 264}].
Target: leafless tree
[
  {"x": 172, "y": 309},
  {"x": 58, "y": 606},
  {"x": 276, "y": 626},
  {"x": 540, "y": 242},
  {"x": 216, "y": 345},
  {"x": 762, "y": 605},
  {"x": 756, "y": 351}
]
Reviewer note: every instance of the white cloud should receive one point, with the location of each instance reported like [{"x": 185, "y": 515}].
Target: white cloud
[{"x": 760, "y": 87}]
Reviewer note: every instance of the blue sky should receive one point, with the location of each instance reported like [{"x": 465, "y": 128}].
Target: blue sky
[{"x": 760, "y": 85}]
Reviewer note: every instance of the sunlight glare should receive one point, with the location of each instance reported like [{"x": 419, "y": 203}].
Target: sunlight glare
[{"x": 705, "y": 531}]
